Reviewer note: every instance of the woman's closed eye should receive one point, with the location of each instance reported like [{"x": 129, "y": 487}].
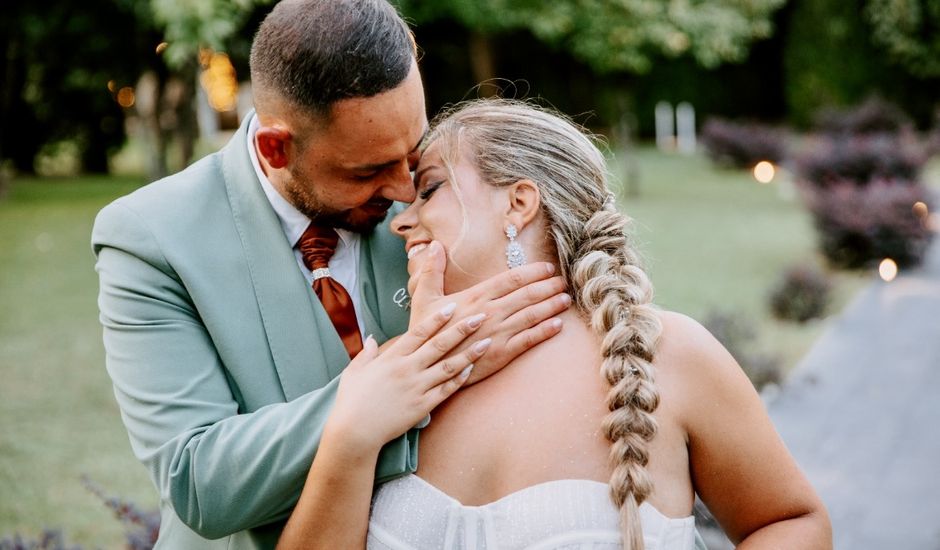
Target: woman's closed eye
[{"x": 426, "y": 193}]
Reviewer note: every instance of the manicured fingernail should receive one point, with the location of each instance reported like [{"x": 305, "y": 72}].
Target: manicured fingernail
[
  {"x": 550, "y": 268},
  {"x": 566, "y": 300},
  {"x": 480, "y": 347},
  {"x": 449, "y": 310},
  {"x": 476, "y": 320},
  {"x": 465, "y": 373},
  {"x": 434, "y": 249},
  {"x": 556, "y": 324}
]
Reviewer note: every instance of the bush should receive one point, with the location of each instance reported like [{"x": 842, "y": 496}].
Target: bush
[
  {"x": 861, "y": 225},
  {"x": 803, "y": 293},
  {"x": 874, "y": 116},
  {"x": 742, "y": 145},
  {"x": 861, "y": 159},
  {"x": 736, "y": 333}
]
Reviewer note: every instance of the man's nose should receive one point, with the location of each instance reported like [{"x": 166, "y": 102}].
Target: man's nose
[{"x": 400, "y": 185}]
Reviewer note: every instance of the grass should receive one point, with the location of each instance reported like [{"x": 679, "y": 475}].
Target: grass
[
  {"x": 58, "y": 419},
  {"x": 716, "y": 240},
  {"x": 713, "y": 239}
]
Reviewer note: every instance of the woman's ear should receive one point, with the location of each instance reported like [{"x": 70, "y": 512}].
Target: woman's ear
[
  {"x": 524, "y": 202},
  {"x": 272, "y": 145}
]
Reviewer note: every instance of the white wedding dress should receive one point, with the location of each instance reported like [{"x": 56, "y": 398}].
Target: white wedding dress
[{"x": 411, "y": 514}]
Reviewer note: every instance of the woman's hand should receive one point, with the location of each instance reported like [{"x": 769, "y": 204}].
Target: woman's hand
[
  {"x": 383, "y": 394},
  {"x": 521, "y": 306}
]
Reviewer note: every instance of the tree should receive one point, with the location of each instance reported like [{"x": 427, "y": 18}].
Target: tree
[
  {"x": 910, "y": 31},
  {"x": 611, "y": 35},
  {"x": 191, "y": 25},
  {"x": 58, "y": 60}
]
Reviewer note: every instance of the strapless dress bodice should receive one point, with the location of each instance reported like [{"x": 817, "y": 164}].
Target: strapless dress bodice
[{"x": 411, "y": 514}]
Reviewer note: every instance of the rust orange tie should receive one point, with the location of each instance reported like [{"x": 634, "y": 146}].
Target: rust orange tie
[{"x": 317, "y": 245}]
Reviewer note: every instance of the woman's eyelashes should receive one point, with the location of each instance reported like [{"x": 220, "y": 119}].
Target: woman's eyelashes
[{"x": 426, "y": 193}]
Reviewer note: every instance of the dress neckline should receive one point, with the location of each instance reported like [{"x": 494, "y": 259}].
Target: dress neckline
[{"x": 596, "y": 485}]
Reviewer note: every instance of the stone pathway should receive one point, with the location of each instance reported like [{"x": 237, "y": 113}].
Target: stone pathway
[{"x": 862, "y": 415}]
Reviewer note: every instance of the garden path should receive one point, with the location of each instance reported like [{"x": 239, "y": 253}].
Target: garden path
[{"x": 861, "y": 414}]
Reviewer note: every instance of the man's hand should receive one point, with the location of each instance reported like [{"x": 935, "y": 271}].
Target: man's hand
[{"x": 520, "y": 307}]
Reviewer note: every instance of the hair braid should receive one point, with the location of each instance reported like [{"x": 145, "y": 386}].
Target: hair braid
[
  {"x": 616, "y": 294},
  {"x": 511, "y": 140}
]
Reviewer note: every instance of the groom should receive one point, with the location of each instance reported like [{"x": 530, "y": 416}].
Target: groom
[{"x": 224, "y": 360}]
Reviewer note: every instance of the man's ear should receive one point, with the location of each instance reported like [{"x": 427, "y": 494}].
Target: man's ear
[
  {"x": 524, "y": 202},
  {"x": 272, "y": 145}
]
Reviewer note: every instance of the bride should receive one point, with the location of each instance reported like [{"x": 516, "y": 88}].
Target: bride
[{"x": 598, "y": 438}]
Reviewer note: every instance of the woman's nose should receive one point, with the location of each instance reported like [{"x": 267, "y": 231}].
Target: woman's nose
[{"x": 404, "y": 222}]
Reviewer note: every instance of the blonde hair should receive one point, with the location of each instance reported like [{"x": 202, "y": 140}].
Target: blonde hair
[{"x": 509, "y": 140}]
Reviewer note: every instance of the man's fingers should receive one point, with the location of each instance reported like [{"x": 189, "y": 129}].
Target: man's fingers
[{"x": 514, "y": 279}]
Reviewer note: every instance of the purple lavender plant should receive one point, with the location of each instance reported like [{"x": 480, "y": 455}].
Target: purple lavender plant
[
  {"x": 49, "y": 540},
  {"x": 141, "y": 528}
]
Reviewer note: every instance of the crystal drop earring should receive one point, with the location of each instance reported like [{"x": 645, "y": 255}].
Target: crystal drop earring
[{"x": 515, "y": 256}]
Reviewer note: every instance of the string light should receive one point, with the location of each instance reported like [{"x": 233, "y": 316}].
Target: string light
[
  {"x": 218, "y": 80},
  {"x": 126, "y": 97},
  {"x": 888, "y": 270},
  {"x": 764, "y": 172}
]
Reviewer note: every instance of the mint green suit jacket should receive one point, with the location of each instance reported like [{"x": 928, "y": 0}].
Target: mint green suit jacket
[{"x": 224, "y": 363}]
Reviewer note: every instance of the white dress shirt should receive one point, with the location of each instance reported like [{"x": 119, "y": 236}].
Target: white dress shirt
[{"x": 344, "y": 265}]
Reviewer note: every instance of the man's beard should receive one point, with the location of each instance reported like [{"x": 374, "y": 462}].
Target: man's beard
[{"x": 354, "y": 219}]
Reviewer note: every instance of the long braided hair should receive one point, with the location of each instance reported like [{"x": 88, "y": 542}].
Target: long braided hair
[{"x": 510, "y": 140}]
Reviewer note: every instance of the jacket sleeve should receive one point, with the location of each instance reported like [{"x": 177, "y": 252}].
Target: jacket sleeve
[{"x": 222, "y": 470}]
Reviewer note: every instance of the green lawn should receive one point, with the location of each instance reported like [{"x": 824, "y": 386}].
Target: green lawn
[
  {"x": 58, "y": 419},
  {"x": 713, "y": 239},
  {"x": 716, "y": 239}
]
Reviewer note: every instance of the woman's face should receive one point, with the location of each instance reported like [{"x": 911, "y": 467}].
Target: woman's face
[{"x": 471, "y": 233}]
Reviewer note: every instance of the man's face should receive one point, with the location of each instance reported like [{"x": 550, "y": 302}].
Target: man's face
[{"x": 347, "y": 173}]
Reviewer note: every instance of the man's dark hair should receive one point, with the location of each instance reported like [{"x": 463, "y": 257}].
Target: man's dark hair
[{"x": 316, "y": 52}]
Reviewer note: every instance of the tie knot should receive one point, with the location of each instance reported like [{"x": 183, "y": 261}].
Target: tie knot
[{"x": 317, "y": 245}]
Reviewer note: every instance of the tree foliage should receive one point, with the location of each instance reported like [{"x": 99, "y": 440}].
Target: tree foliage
[
  {"x": 910, "y": 31},
  {"x": 58, "y": 60},
  {"x": 193, "y": 24},
  {"x": 617, "y": 35}
]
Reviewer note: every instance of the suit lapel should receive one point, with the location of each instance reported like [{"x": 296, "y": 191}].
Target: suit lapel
[
  {"x": 383, "y": 278},
  {"x": 302, "y": 340}
]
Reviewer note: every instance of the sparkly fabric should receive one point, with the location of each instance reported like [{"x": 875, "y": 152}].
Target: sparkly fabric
[{"x": 411, "y": 514}]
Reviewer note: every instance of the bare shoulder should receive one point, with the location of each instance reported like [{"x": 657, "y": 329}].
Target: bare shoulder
[
  {"x": 740, "y": 467},
  {"x": 698, "y": 369},
  {"x": 687, "y": 346}
]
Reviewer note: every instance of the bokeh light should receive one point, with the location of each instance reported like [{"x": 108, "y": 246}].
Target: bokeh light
[
  {"x": 161, "y": 47},
  {"x": 920, "y": 210},
  {"x": 218, "y": 80},
  {"x": 112, "y": 86},
  {"x": 888, "y": 269},
  {"x": 126, "y": 97},
  {"x": 764, "y": 172}
]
